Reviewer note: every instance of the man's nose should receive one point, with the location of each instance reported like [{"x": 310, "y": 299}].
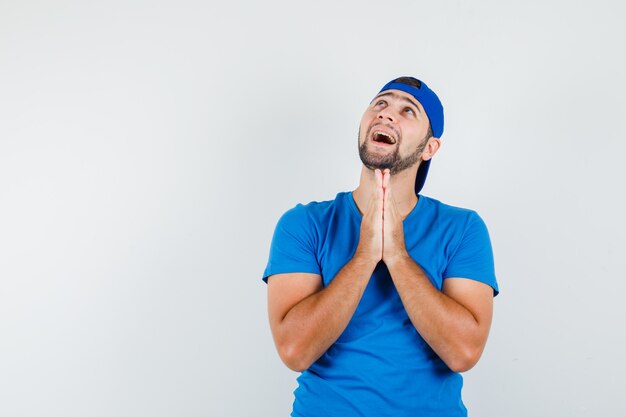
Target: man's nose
[{"x": 385, "y": 115}]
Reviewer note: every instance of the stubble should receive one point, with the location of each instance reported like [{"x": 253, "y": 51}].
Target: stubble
[{"x": 392, "y": 161}]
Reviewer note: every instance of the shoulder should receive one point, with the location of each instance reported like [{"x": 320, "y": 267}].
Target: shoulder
[
  {"x": 469, "y": 251},
  {"x": 313, "y": 212},
  {"x": 448, "y": 214}
]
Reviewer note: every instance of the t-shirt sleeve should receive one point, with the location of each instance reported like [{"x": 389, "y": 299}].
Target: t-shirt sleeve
[
  {"x": 293, "y": 247},
  {"x": 473, "y": 257}
]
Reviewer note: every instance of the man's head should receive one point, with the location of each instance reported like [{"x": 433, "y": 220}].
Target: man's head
[{"x": 401, "y": 128}]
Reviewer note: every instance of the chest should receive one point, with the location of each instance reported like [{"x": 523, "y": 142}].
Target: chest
[{"x": 427, "y": 246}]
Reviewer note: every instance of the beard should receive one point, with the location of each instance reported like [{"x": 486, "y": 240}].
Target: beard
[{"x": 393, "y": 161}]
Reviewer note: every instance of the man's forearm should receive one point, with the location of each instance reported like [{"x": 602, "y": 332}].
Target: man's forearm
[
  {"x": 448, "y": 327},
  {"x": 316, "y": 322}
]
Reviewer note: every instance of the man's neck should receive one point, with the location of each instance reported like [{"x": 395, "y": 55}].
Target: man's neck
[{"x": 402, "y": 184}]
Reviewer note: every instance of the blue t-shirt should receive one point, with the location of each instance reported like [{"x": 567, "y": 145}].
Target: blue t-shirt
[{"x": 380, "y": 365}]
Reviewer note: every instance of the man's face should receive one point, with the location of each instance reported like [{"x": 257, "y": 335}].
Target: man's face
[{"x": 392, "y": 133}]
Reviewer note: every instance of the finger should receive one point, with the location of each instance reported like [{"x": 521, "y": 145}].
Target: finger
[
  {"x": 378, "y": 175},
  {"x": 389, "y": 206},
  {"x": 380, "y": 196},
  {"x": 386, "y": 206},
  {"x": 389, "y": 197},
  {"x": 379, "y": 187},
  {"x": 386, "y": 178},
  {"x": 387, "y": 182}
]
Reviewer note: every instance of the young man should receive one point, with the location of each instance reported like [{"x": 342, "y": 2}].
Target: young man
[{"x": 382, "y": 296}]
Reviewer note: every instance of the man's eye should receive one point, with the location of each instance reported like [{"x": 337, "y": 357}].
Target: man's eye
[
  {"x": 380, "y": 103},
  {"x": 409, "y": 110}
]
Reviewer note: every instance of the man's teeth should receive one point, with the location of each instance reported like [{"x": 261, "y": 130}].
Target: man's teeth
[{"x": 392, "y": 140}]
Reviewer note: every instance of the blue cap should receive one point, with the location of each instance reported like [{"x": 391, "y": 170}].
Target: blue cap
[{"x": 434, "y": 110}]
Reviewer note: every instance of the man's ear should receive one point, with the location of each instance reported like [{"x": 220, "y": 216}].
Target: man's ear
[{"x": 431, "y": 148}]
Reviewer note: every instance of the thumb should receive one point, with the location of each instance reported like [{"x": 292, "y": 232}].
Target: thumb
[
  {"x": 386, "y": 179},
  {"x": 378, "y": 192}
]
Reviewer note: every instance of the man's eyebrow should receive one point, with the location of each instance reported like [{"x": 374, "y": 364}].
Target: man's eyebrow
[{"x": 397, "y": 96}]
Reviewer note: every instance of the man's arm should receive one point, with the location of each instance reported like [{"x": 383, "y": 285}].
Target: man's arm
[
  {"x": 454, "y": 322},
  {"x": 304, "y": 318},
  {"x": 307, "y": 319}
]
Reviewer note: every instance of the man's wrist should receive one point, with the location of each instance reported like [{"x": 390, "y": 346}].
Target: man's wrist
[
  {"x": 397, "y": 258},
  {"x": 365, "y": 261}
]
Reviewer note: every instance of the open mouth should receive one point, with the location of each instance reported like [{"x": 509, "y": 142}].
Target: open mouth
[{"x": 383, "y": 137}]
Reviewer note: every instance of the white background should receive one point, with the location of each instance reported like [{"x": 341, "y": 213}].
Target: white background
[{"x": 147, "y": 149}]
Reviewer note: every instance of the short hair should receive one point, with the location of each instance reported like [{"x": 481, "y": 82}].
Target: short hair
[{"x": 413, "y": 82}]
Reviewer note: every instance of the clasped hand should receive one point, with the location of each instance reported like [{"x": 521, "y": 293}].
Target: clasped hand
[{"x": 382, "y": 233}]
